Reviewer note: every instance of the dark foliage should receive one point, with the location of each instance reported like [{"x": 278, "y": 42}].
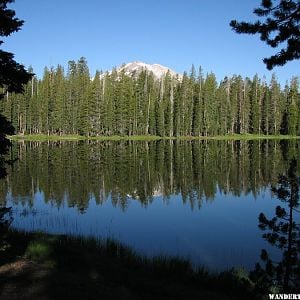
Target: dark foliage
[
  {"x": 12, "y": 74},
  {"x": 5, "y": 128},
  {"x": 12, "y": 78},
  {"x": 280, "y": 25},
  {"x": 283, "y": 233}
]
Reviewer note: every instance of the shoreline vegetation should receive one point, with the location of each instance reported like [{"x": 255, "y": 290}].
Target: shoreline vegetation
[
  {"x": 53, "y": 137},
  {"x": 108, "y": 270}
]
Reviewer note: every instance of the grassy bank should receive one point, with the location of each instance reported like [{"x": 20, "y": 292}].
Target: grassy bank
[
  {"x": 41, "y": 266},
  {"x": 44, "y": 137}
]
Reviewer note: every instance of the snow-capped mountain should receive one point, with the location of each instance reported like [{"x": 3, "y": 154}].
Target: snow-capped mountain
[{"x": 136, "y": 67}]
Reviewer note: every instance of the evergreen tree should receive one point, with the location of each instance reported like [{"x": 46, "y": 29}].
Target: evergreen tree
[
  {"x": 293, "y": 105},
  {"x": 265, "y": 110},
  {"x": 83, "y": 88},
  {"x": 197, "y": 105},
  {"x": 210, "y": 115},
  {"x": 109, "y": 96},
  {"x": 160, "y": 112},
  {"x": 275, "y": 107},
  {"x": 177, "y": 110},
  {"x": 224, "y": 106},
  {"x": 280, "y": 25},
  {"x": 168, "y": 100},
  {"x": 95, "y": 105},
  {"x": 58, "y": 106},
  {"x": 282, "y": 232},
  {"x": 255, "y": 106},
  {"x": 72, "y": 98}
]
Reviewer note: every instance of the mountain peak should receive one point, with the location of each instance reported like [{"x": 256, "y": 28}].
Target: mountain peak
[{"x": 136, "y": 67}]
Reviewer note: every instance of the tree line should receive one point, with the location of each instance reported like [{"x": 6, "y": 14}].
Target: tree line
[{"x": 114, "y": 103}]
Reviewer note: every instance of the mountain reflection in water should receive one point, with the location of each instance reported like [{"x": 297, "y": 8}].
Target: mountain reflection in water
[{"x": 197, "y": 199}]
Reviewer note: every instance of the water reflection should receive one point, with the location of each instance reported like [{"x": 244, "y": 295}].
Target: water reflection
[
  {"x": 198, "y": 199},
  {"x": 79, "y": 171}
]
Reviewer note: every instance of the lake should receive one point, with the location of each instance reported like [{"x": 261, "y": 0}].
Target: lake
[{"x": 195, "y": 199}]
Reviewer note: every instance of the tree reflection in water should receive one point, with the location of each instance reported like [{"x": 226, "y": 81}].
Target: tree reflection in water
[{"x": 197, "y": 170}]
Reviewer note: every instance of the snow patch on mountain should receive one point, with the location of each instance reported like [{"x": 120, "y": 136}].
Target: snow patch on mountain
[{"x": 136, "y": 67}]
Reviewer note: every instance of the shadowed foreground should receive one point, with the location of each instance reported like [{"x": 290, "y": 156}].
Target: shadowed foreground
[{"x": 38, "y": 266}]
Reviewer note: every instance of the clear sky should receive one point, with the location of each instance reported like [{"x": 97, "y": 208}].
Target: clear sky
[{"x": 174, "y": 33}]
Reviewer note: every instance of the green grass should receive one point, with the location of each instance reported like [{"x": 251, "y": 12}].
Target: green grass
[
  {"x": 38, "y": 250},
  {"x": 43, "y": 137},
  {"x": 126, "y": 138},
  {"x": 254, "y": 137},
  {"x": 80, "y": 268}
]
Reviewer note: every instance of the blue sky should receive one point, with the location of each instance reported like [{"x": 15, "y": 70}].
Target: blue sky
[{"x": 170, "y": 32}]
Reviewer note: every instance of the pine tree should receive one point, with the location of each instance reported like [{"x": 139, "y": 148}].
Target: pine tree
[
  {"x": 95, "y": 105},
  {"x": 275, "y": 106},
  {"x": 281, "y": 232},
  {"x": 58, "y": 99},
  {"x": 211, "y": 116},
  {"x": 142, "y": 102},
  {"x": 280, "y": 25},
  {"x": 197, "y": 105},
  {"x": 34, "y": 105},
  {"x": 168, "y": 103},
  {"x": 83, "y": 88},
  {"x": 109, "y": 96},
  {"x": 255, "y": 106},
  {"x": 245, "y": 107},
  {"x": 159, "y": 111},
  {"x": 177, "y": 110},
  {"x": 45, "y": 101},
  {"x": 265, "y": 111},
  {"x": 224, "y": 106},
  {"x": 293, "y": 104},
  {"x": 186, "y": 107},
  {"x": 152, "y": 96}
]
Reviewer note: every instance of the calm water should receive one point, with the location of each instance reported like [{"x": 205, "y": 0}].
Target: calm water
[{"x": 199, "y": 200}]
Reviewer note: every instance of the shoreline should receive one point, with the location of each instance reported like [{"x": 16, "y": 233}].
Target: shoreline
[
  {"x": 44, "y": 137},
  {"x": 59, "y": 266}
]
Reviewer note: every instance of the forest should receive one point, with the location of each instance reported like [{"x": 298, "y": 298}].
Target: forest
[{"x": 113, "y": 103}]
